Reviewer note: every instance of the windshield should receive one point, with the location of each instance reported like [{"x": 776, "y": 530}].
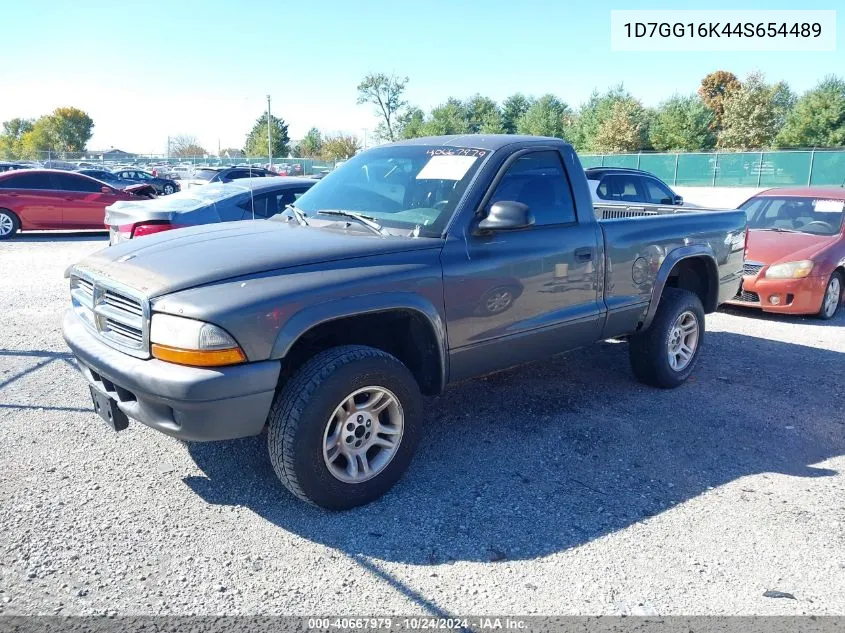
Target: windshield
[
  {"x": 404, "y": 187},
  {"x": 818, "y": 216},
  {"x": 204, "y": 174}
]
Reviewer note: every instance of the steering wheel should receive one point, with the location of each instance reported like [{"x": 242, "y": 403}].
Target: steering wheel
[{"x": 828, "y": 227}]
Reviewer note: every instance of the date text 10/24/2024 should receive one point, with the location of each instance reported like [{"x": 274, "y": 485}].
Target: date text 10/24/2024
[{"x": 417, "y": 624}]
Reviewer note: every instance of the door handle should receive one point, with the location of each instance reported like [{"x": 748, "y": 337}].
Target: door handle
[{"x": 583, "y": 254}]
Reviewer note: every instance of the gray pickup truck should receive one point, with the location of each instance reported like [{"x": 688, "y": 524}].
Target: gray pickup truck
[{"x": 412, "y": 266}]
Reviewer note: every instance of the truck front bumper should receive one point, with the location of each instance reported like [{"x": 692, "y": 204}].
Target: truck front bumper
[{"x": 190, "y": 403}]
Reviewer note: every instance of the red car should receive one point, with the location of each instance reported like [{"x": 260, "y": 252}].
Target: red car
[
  {"x": 35, "y": 199},
  {"x": 795, "y": 253}
]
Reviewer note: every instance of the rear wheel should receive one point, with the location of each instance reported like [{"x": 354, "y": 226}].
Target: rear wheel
[
  {"x": 832, "y": 297},
  {"x": 665, "y": 354},
  {"x": 344, "y": 428},
  {"x": 9, "y": 224}
]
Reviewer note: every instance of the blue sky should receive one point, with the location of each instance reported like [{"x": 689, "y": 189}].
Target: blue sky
[{"x": 149, "y": 69}]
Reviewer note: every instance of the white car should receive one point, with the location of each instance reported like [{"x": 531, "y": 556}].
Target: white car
[{"x": 621, "y": 184}]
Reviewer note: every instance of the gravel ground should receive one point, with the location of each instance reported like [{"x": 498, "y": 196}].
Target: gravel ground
[{"x": 561, "y": 487}]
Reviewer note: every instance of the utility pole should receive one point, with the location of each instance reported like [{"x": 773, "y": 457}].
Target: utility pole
[
  {"x": 365, "y": 137},
  {"x": 168, "y": 149},
  {"x": 269, "y": 136}
]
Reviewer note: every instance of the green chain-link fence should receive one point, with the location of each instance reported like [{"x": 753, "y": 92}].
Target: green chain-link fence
[{"x": 734, "y": 169}]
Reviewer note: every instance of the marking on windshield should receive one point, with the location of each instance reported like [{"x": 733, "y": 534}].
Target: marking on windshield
[
  {"x": 446, "y": 168},
  {"x": 828, "y": 206},
  {"x": 456, "y": 151}
]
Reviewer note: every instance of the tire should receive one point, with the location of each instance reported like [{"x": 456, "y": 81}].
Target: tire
[
  {"x": 309, "y": 406},
  {"x": 649, "y": 351},
  {"x": 9, "y": 224},
  {"x": 830, "y": 306},
  {"x": 168, "y": 189}
]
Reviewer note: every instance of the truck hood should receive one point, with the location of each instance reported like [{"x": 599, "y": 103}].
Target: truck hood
[
  {"x": 771, "y": 247},
  {"x": 185, "y": 258}
]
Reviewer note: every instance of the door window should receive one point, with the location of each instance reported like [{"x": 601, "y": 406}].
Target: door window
[
  {"x": 26, "y": 181},
  {"x": 657, "y": 192},
  {"x": 620, "y": 187},
  {"x": 71, "y": 182},
  {"x": 538, "y": 181}
]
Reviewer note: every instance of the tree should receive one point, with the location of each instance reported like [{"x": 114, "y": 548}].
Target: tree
[
  {"x": 448, "y": 118},
  {"x": 10, "y": 140},
  {"x": 483, "y": 116},
  {"x": 71, "y": 129},
  {"x": 512, "y": 109},
  {"x": 682, "y": 123},
  {"x": 593, "y": 115},
  {"x": 715, "y": 88},
  {"x": 385, "y": 92},
  {"x": 230, "y": 152},
  {"x": 339, "y": 147},
  {"x": 256, "y": 140},
  {"x": 754, "y": 114},
  {"x": 818, "y": 118},
  {"x": 548, "y": 116},
  {"x": 39, "y": 140},
  {"x": 15, "y": 128},
  {"x": 411, "y": 123},
  {"x": 185, "y": 145},
  {"x": 311, "y": 144},
  {"x": 624, "y": 130}
]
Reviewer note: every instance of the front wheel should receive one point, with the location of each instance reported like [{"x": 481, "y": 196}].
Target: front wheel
[
  {"x": 832, "y": 297},
  {"x": 9, "y": 224},
  {"x": 666, "y": 353},
  {"x": 168, "y": 189},
  {"x": 344, "y": 428}
]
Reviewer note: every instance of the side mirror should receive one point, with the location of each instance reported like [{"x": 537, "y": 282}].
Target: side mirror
[
  {"x": 506, "y": 216},
  {"x": 677, "y": 200},
  {"x": 105, "y": 189}
]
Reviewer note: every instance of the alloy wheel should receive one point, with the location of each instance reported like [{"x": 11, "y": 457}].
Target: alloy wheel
[
  {"x": 363, "y": 434},
  {"x": 683, "y": 341}
]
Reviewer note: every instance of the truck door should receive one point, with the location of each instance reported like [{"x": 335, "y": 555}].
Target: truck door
[{"x": 516, "y": 295}]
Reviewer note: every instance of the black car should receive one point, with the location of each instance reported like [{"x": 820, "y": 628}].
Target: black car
[
  {"x": 205, "y": 175},
  {"x": 6, "y": 166},
  {"x": 108, "y": 177},
  {"x": 622, "y": 184},
  {"x": 163, "y": 186}
]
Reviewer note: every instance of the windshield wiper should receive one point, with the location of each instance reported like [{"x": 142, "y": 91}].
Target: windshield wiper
[
  {"x": 366, "y": 220},
  {"x": 777, "y": 228},
  {"x": 298, "y": 214}
]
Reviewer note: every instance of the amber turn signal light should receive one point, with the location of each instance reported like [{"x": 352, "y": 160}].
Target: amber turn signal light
[{"x": 198, "y": 358}]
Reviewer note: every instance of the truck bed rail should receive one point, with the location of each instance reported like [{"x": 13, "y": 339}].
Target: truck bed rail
[{"x": 611, "y": 211}]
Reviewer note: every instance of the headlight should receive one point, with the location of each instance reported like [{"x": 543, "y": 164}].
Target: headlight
[
  {"x": 189, "y": 342},
  {"x": 790, "y": 270}
]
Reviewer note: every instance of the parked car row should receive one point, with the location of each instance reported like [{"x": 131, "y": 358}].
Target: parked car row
[{"x": 41, "y": 199}]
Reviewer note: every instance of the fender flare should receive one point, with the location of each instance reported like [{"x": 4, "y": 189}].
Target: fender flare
[
  {"x": 314, "y": 315},
  {"x": 672, "y": 258}
]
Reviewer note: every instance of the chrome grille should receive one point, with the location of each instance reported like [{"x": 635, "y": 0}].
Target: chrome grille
[
  {"x": 117, "y": 316},
  {"x": 751, "y": 268}
]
